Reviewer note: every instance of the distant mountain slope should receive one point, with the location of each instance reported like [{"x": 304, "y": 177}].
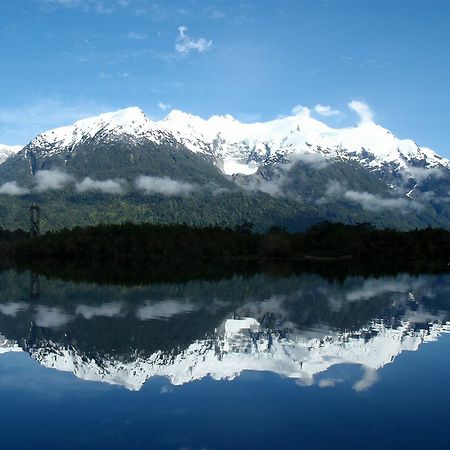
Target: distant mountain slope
[
  {"x": 292, "y": 172},
  {"x": 8, "y": 150}
]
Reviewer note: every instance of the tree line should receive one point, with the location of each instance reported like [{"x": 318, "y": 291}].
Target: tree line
[{"x": 361, "y": 242}]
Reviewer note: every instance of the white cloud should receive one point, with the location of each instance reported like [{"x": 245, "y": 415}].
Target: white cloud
[
  {"x": 112, "y": 309},
  {"x": 164, "y": 186},
  {"x": 136, "y": 36},
  {"x": 278, "y": 184},
  {"x": 11, "y": 309},
  {"x": 164, "y": 106},
  {"x": 51, "y": 180},
  {"x": 301, "y": 111},
  {"x": 12, "y": 188},
  {"x": 185, "y": 43},
  {"x": 422, "y": 173},
  {"x": 326, "y": 111},
  {"x": 315, "y": 160},
  {"x": 65, "y": 3},
  {"x": 329, "y": 382},
  {"x": 372, "y": 287},
  {"x": 105, "y": 186},
  {"x": 108, "y": 75},
  {"x": 47, "y": 317},
  {"x": 368, "y": 201},
  {"x": 363, "y": 110},
  {"x": 373, "y": 202},
  {"x": 369, "y": 378},
  {"x": 97, "y": 6},
  {"x": 164, "y": 310}
]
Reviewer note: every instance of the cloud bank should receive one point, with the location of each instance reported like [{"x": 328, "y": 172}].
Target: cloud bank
[
  {"x": 112, "y": 309},
  {"x": 12, "y": 188},
  {"x": 164, "y": 310},
  {"x": 47, "y": 180},
  {"x": 164, "y": 186},
  {"x": 369, "y": 202},
  {"x": 106, "y": 186}
]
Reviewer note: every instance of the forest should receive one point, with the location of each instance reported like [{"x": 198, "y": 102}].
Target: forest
[{"x": 325, "y": 243}]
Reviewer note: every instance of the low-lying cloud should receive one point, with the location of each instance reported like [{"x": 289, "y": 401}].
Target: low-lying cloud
[
  {"x": 278, "y": 184},
  {"x": 314, "y": 160},
  {"x": 112, "y": 309},
  {"x": 373, "y": 287},
  {"x": 422, "y": 173},
  {"x": 164, "y": 310},
  {"x": 47, "y": 180},
  {"x": 369, "y": 202},
  {"x": 106, "y": 186},
  {"x": 164, "y": 185},
  {"x": 374, "y": 202},
  {"x": 13, "y": 308},
  {"x": 12, "y": 188},
  {"x": 51, "y": 317}
]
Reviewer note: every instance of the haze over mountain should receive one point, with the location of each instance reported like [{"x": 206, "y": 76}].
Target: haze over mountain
[{"x": 292, "y": 171}]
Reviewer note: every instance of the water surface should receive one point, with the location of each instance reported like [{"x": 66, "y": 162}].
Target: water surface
[{"x": 256, "y": 361}]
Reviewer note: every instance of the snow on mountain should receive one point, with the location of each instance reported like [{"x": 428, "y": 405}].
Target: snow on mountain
[
  {"x": 130, "y": 122},
  {"x": 242, "y": 147},
  {"x": 243, "y": 344},
  {"x": 7, "y": 346},
  {"x": 8, "y": 150}
]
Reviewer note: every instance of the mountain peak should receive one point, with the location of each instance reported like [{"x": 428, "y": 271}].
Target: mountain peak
[
  {"x": 128, "y": 121},
  {"x": 8, "y": 150},
  {"x": 241, "y": 147},
  {"x": 120, "y": 118}
]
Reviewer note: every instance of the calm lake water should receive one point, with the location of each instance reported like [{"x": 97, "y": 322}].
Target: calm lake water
[{"x": 259, "y": 362}]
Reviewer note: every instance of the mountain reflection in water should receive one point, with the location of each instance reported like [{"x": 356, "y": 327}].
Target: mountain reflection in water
[{"x": 298, "y": 326}]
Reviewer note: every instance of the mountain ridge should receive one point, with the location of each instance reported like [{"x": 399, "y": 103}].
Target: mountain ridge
[
  {"x": 363, "y": 173},
  {"x": 298, "y": 134}
]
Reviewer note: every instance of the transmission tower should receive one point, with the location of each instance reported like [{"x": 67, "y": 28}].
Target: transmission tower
[{"x": 35, "y": 216}]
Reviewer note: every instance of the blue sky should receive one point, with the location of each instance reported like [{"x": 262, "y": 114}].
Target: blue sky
[{"x": 62, "y": 60}]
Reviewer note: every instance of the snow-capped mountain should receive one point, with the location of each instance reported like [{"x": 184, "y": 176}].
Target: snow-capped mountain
[
  {"x": 8, "y": 150},
  {"x": 242, "y": 344},
  {"x": 242, "y": 147},
  {"x": 311, "y": 171},
  {"x": 129, "y": 122}
]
